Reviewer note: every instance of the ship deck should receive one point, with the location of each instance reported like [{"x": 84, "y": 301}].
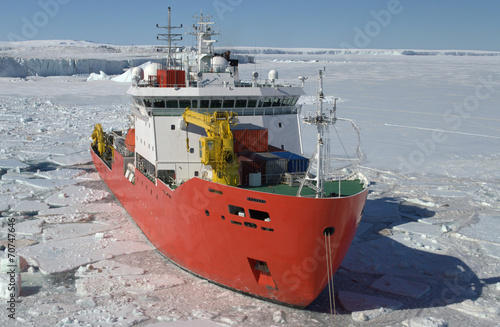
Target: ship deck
[{"x": 347, "y": 188}]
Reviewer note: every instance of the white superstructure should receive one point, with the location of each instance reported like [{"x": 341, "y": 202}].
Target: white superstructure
[{"x": 206, "y": 82}]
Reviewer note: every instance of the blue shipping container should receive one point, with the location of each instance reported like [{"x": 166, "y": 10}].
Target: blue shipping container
[{"x": 296, "y": 163}]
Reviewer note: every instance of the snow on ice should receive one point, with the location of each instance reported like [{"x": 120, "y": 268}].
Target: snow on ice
[{"x": 426, "y": 252}]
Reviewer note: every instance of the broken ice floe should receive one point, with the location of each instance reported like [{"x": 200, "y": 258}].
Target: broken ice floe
[
  {"x": 381, "y": 210},
  {"x": 65, "y": 231},
  {"x": 132, "y": 284},
  {"x": 12, "y": 164},
  {"x": 29, "y": 227},
  {"x": 43, "y": 183},
  {"x": 77, "y": 251},
  {"x": 67, "y": 218},
  {"x": 404, "y": 255},
  {"x": 366, "y": 307},
  {"x": 116, "y": 314},
  {"x": 485, "y": 228},
  {"x": 72, "y": 159},
  {"x": 60, "y": 173},
  {"x": 75, "y": 194},
  {"x": 400, "y": 286},
  {"x": 191, "y": 323},
  {"x": 29, "y": 207},
  {"x": 107, "y": 268},
  {"x": 481, "y": 308},
  {"x": 82, "y": 208},
  {"x": 424, "y": 230},
  {"x": 424, "y": 322}
]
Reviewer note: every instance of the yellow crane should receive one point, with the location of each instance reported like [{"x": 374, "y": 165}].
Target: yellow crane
[
  {"x": 101, "y": 143},
  {"x": 217, "y": 148}
]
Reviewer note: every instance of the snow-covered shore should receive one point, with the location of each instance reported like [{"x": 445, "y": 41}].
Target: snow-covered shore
[{"x": 68, "y": 57}]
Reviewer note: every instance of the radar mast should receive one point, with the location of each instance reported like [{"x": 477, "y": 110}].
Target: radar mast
[
  {"x": 321, "y": 153},
  {"x": 170, "y": 37}
]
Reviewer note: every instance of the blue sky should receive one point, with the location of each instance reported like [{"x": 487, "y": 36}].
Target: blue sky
[{"x": 380, "y": 24}]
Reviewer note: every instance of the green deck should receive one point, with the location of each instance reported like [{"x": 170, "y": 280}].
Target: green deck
[{"x": 347, "y": 188}]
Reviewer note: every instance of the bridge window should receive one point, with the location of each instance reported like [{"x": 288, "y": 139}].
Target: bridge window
[
  {"x": 228, "y": 104},
  {"x": 215, "y": 104},
  {"x": 252, "y": 103},
  {"x": 183, "y": 104},
  {"x": 172, "y": 104},
  {"x": 204, "y": 103},
  {"x": 241, "y": 103},
  {"x": 266, "y": 102},
  {"x": 277, "y": 102},
  {"x": 159, "y": 104}
]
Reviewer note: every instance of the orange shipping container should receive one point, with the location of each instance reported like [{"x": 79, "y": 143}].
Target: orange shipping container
[
  {"x": 250, "y": 138},
  {"x": 171, "y": 78}
]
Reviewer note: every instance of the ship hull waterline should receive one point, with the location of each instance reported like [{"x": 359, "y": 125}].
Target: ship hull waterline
[{"x": 282, "y": 258}]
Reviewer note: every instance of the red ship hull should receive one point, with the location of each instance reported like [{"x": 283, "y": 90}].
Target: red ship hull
[{"x": 283, "y": 260}]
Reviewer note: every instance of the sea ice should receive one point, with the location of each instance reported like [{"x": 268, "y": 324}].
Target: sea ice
[
  {"x": 192, "y": 323},
  {"x": 11, "y": 164},
  {"x": 132, "y": 284},
  {"x": 29, "y": 227},
  {"x": 412, "y": 176},
  {"x": 366, "y": 307},
  {"x": 487, "y": 228},
  {"x": 71, "y": 160},
  {"x": 67, "y": 218},
  {"x": 481, "y": 308},
  {"x": 116, "y": 314},
  {"x": 108, "y": 268},
  {"x": 425, "y": 230},
  {"x": 60, "y": 173},
  {"x": 75, "y": 194},
  {"x": 43, "y": 183},
  {"x": 400, "y": 286},
  {"x": 83, "y": 208},
  {"x": 70, "y": 253},
  {"x": 65, "y": 231},
  {"x": 379, "y": 210},
  {"x": 424, "y": 322},
  {"x": 29, "y": 207}
]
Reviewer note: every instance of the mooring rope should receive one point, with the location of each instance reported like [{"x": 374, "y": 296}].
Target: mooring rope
[{"x": 329, "y": 274}]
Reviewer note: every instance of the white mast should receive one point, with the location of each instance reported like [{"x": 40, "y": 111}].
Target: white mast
[
  {"x": 204, "y": 32},
  {"x": 322, "y": 151},
  {"x": 169, "y": 37}
]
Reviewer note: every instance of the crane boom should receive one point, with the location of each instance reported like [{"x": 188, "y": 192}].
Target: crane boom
[{"x": 217, "y": 148}]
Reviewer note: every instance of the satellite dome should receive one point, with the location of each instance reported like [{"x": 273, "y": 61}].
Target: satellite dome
[
  {"x": 138, "y": 73},
  {"x": 219, "y": 64},
  {"x": 273, "y": 75}
]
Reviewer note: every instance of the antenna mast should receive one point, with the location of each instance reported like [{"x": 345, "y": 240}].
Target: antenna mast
[
  {"x": 169, "y": 37},
  {"x": 322, "y": 151}
]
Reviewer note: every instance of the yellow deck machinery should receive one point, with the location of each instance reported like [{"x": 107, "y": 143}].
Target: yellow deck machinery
[{"x": 217, "y": 148}]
